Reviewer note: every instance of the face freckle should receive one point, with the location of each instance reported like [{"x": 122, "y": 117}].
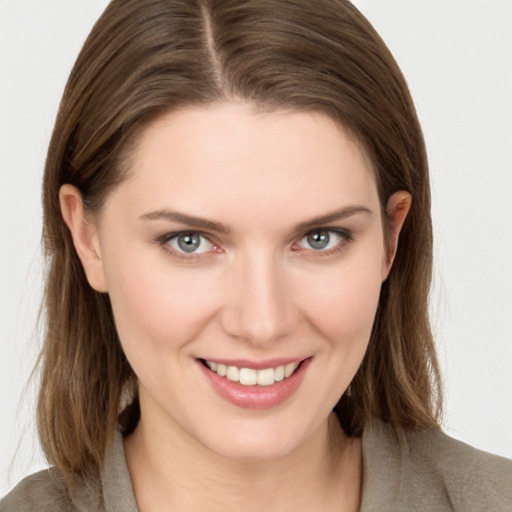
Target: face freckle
[{"x": 282, "y": 218}]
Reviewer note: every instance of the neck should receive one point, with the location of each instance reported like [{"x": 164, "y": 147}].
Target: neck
[{"x": 173, "y": 473}]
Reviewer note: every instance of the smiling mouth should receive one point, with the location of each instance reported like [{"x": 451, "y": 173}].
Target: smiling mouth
[{"x": 250, "y": 376}]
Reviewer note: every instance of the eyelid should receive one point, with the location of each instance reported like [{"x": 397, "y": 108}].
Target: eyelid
[
  {"x": 343, "y": 232},
  {"x": 177, "y": 253},
  {"x": 346, "y": 236}
]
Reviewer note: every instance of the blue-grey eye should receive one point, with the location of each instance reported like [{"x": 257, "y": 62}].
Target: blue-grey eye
[
  {"x": 320, "y": 240},
  {"x": 190, "y": 243}
]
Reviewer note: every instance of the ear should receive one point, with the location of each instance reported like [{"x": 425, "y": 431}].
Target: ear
[
  {"x": 397, "y": 209},
  {"x": 85, "y": 237}
]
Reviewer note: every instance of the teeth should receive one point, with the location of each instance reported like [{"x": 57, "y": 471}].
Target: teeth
[
  {"x": 266, "y": 377},
  {"x": 289, "y": 369},
  {"x": 233, "y": 373},
  {"x": 248, "y": 376},
  {"x": 251, "y": 377},
  {"x": 211, "y": 365},
  {"x": 279, "y": 373}
]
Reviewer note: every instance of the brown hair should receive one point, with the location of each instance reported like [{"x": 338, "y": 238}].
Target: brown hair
[{"x": 147, "y": 57}]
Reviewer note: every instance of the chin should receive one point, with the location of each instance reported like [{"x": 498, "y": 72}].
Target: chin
[{"x": 257, "y": 440}]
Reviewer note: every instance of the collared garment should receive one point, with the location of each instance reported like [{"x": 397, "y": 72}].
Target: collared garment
[{"x": 402, "y": 472}]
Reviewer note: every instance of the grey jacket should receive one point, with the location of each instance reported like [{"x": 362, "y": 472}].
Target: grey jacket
[{"x": 402, "y": 472}]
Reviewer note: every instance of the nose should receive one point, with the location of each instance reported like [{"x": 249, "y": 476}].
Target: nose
[{"x": 259, "y": 305}]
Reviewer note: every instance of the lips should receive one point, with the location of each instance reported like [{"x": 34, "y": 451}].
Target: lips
[{"x": 255, "y": 385}]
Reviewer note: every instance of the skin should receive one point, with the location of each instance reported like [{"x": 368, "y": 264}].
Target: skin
[{"x": 257, "y": 291}]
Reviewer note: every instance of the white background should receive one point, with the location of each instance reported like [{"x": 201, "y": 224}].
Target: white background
[{"x": 457, "y": 57}]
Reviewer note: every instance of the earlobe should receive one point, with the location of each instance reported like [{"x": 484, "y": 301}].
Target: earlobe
[
  {"x": 84, "y": 234},
  {"x": 397, "y": 209}
]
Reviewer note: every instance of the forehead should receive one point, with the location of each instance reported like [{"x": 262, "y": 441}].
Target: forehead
[{"x": 231, "y": 157}]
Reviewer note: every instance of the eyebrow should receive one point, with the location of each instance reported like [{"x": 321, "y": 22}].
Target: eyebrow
[
  {"x": 336, "y": 215},
  {"x": 198, "y": 222},
  {"x": 189, "y": 220}
]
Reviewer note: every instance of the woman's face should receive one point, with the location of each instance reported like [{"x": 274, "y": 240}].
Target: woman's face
[{"x": 251, "y": 243}]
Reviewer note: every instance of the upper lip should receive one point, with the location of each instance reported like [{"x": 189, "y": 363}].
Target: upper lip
[{"x": 257, "y": 365}]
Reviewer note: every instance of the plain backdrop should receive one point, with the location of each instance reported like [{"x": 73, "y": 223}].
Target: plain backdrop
[{"x": 457, "y": 58}]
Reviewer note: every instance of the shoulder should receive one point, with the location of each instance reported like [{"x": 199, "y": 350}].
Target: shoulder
[
  {"x": 462, "y": 467},
  {"x": 46, "y": 491},
  {"x": 42, "y": 491},
  {"x": 435, "y": 471}
]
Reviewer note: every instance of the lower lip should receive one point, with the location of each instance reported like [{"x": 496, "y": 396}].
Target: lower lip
[{"x": 256, "y": 397}]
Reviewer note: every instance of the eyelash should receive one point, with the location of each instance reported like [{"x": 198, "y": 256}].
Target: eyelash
[
  {"x": 345, "y": 235},
  {"x": 182, "y": 255}
]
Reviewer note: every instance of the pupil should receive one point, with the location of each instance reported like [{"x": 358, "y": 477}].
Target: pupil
[
  {"x": 318, "y": 240},
  {"x": 188, "y": 243}
]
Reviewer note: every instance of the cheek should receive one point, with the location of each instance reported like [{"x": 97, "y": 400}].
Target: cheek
[
  {"x": 158, "y": 306},
  {"x": 343, "y": 307}
]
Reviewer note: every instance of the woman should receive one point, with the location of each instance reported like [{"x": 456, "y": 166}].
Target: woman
[{"x": 239, "y": 240}]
